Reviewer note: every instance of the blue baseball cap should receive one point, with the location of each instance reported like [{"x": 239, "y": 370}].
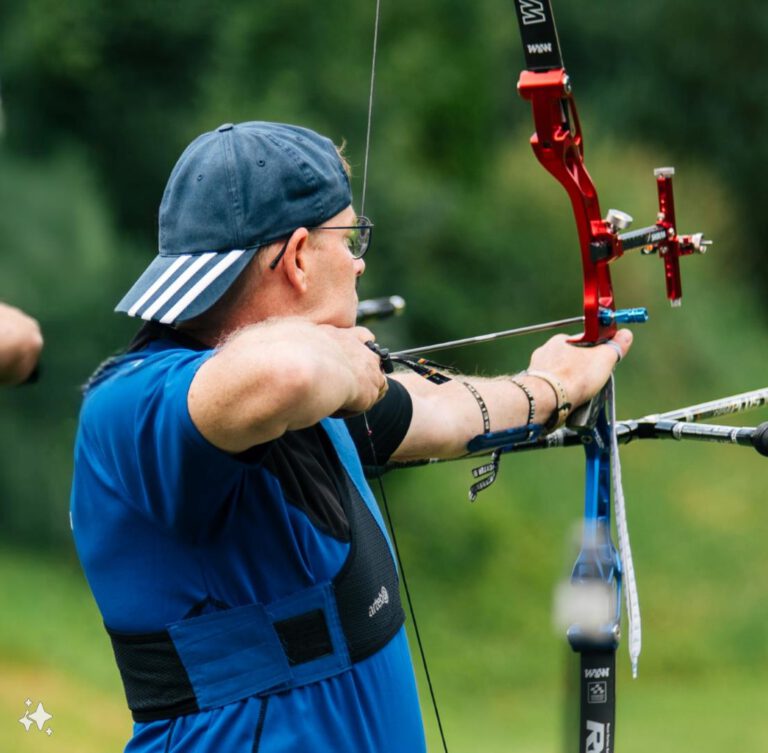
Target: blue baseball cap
[{"x": 234, "y": 190}]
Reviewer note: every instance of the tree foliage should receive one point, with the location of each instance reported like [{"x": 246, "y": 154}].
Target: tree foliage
[{"x": 101, "y": 98}]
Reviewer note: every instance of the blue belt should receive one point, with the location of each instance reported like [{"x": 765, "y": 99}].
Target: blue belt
[{"x": 222, "y": 657}]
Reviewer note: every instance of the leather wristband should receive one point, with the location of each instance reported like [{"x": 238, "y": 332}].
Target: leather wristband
[{"x": 562, "y": 404}]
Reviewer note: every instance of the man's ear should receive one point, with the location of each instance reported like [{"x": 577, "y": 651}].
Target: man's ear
[{"x": 294, "y": 262}]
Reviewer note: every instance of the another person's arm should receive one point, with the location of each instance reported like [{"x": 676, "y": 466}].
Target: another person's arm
[{"x": 20, "y": 344}]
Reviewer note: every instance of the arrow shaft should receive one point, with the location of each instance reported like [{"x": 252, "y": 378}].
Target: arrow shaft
[{"x": 530, "y": 329}]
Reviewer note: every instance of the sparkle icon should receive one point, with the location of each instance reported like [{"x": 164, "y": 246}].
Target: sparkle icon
[{"x": 40, "y": 717}]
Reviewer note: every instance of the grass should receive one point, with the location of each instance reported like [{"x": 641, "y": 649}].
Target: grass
[
  {"x": 721, "y": 713},
  {"x": 85, "y": 718},
  {"x": 54, "y": 650}
]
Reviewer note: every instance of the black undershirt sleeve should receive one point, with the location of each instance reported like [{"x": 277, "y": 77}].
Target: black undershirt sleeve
[{"x": 389, "y": 420}]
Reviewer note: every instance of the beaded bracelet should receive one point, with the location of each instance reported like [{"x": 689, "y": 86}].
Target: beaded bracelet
[
  {"x": 483, "y": 407},
  {"x": 531, "y": 400}
]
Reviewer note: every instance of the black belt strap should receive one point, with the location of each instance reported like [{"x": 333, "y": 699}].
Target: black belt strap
[{"x": 157, "y": 684}]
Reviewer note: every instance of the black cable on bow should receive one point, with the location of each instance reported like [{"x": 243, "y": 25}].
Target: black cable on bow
[{"x": 406, "y": 589}]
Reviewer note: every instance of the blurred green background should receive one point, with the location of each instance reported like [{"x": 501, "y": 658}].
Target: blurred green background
[{"x": 98, "y": 101}]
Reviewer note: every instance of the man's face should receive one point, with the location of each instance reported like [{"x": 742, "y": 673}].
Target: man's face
[{"x": 334, "y": 272}]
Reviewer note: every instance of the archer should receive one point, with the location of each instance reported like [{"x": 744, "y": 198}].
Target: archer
[{"x": 219, "y": 507}]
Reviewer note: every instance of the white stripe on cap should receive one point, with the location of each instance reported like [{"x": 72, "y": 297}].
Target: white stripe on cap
[
  {"x": 173, "y": 313},
  {"x": 152, "y": 289},
  {"x": 177, "y": 283}
]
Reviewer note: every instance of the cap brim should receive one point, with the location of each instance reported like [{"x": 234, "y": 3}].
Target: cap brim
[{"x": 178, "y": 288}]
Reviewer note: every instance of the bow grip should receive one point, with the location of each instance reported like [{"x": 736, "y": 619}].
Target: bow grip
[{"x": 584, "y": 418}]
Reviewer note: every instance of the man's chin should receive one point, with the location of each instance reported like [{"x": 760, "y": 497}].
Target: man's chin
[{"x": 341, "y": 322}]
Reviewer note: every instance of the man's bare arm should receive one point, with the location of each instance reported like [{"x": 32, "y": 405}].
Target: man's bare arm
[
  {"x": 447, "y": 416},
  {"x": 282, "y": 375},
  {"x": 20, "y": 344}
]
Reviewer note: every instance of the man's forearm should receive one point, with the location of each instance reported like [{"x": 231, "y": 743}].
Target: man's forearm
[{"x": 447, "y": 416}]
